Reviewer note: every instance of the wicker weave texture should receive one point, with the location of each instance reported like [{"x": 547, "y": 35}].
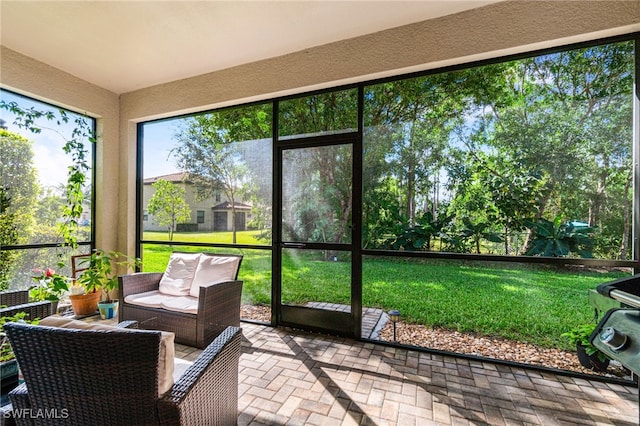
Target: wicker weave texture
[
  {"x": 207, "y": 393},
  {"x": 88, "y": 377},
  {"x": 14, "y": 297},
  {"x": 218, "y": 308},
  {"x": 106, "y": 378},
  {"x": 34, "y": 310}
]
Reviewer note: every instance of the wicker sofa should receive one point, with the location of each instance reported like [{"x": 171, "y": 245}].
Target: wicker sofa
[
  {"x": 201, "y": 299},
  {"x": 110, "y": 377}
]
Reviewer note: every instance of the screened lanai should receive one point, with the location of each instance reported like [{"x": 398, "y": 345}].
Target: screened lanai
[{"x": 424, "y": 164}]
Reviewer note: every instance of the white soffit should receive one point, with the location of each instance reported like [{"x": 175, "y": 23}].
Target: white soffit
[{"x": 127, "y": 45}]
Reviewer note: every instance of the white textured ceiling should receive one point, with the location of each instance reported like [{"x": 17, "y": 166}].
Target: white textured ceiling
[{"x": 127, "y": 45}]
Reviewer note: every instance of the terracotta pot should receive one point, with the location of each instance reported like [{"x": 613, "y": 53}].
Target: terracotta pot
[{"x": 85, "y": 304}]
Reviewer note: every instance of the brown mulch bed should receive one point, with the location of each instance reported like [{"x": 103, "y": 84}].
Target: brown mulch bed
[
  {"x": 470, "y": 344},
  {"x": 493, "y": 347},
  {"x": 256, "y": 312}
]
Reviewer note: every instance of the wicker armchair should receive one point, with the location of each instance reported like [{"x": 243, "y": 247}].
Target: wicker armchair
[
  {"x": 13, "y": 297},
  {"x": 218, "y": 308},
  {"x": 91, "y": 377},
  {"x": 12, "y": 302},
  {"x": 35, "y": 310}
]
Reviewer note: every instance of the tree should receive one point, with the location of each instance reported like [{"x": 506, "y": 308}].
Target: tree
[
  {"x": 168, "y": 205},
  {"x": 8, "y": 235},
  {"x": 208, "y": 150},
  {"x": 318, "y": 194},
  {"x": 409, "y": 127},
  {"x": 569, "y": 122},
  {"x": 213, "y": 163},
  {"x": 75, "y": 146},
  {"x": 18, "y": 194},
  {"x": 322, "y": 199},
  {"x": 50, "y": 207},
  {"x": 413, "y": 117}
]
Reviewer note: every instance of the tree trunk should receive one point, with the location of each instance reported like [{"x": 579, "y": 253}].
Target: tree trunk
[
  {"x": 626, "y": 229},
  {"x": 506, "y": 241},
  {"x": 539, "y": 213},
  {"x": 595, "y": 204},
  {"x": 233, "y": 216},
  {"x": 411, "y": 180}
]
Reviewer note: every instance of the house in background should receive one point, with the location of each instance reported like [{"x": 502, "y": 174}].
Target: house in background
[{"x": 210, "y": 215}]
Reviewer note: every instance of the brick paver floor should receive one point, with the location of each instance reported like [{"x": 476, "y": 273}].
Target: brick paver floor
[{"x": 289, "y": 377}]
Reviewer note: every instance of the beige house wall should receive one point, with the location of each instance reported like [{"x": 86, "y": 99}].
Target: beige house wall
[
  {"x": 195, "y": 204},
  {"x": 492, "y": 31}
]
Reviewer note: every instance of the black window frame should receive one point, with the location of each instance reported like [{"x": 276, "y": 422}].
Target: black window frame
[{"x": 81, "y": 244}]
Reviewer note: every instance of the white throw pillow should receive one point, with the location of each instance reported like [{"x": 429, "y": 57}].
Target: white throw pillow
[
  {"x": 179, "y": 274},
  {"x": 167, "y": 347},
  {"x": 214, "y": 269}
]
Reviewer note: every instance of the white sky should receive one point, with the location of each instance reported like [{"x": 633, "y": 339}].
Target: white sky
[
  {"x": 52, "y": 163},
  {"x": 48, "y": 157},
  {"x": 158, "y": 142}
]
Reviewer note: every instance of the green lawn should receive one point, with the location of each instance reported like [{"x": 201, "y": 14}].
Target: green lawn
[
  {"x": 242, "y": 237},
  {"x": 529, "y": 303}
]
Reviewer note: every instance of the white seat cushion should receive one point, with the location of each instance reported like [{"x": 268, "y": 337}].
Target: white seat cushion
[
  {"x": 180, "y": 366},
  {"x": 155, "y": 299},
  {"x": 148, "y": 299},
  {"x": 212, "y": 269},
  {"x": 165, "y": 357},
  {"x": 179, "y": 274},
  {"x": 184, "y": 304}
]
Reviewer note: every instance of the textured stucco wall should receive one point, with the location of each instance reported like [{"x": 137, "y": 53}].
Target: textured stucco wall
[
  {"x": 40, "y": 81},
  {"x": 490, "y": 31}
]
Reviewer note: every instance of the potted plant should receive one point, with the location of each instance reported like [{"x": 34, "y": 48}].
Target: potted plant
[
  {"x": 9, "y": 371},
  {"x": 98, "y": 280},
  {"x": 588, "y": 355},
  {"x": 50, "y": 286}
]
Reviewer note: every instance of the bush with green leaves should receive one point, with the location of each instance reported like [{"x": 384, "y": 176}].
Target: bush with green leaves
[
  {"x": 579, "y": 336},
  {"x": 559, "y": 239},
  {"x": 101, "y": 273}
]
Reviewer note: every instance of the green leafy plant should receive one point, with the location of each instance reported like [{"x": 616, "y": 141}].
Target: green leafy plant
[
  {"x": 50, "y": 286},
  {"x": 558, "y": 239},
  {"x": 101, "y": 273},
  {"x": 419, "y": 236},
  {"x": 478, "y": 231},
  {"x": 579, "y": 336}
]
